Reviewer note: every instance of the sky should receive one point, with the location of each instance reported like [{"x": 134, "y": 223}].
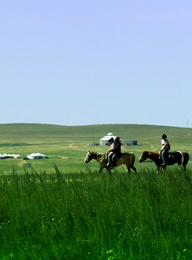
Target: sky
[{"x": 82, "y": 62}]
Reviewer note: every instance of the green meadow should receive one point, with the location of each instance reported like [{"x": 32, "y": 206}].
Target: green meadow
[{"x": 61, "y": 208}]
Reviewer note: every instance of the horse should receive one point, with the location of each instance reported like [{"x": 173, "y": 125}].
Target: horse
[
  {"x": 125, "y": 158},
  {"x": 181, "y": 158}
]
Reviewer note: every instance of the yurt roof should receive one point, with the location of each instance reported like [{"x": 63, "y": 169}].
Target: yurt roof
[{"x": 108, "y": 136}]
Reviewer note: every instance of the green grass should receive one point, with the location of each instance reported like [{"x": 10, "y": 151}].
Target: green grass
[
  {"x": 61, "y": 208},
  {"x": 67, "y": 146},
  {"x": 87, "y": 216}
]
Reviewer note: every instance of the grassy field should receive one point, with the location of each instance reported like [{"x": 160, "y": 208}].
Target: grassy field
[
  {"x": 60, "y": 208},
  {"x": 67, "y": 146}
]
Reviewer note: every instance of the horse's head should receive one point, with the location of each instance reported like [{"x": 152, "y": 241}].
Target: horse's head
[
  {"x": 89, "y": 157},
  {"x": 143, "y": 156}
]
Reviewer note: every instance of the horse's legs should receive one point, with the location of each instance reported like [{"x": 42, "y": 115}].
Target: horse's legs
[
  {"x": 102, "y": 165},
  {"x": 184, "y": 166},
  {"x": 133, "y": 167},
  {"x": 100, "y": 170},
  {"x": 185, "y": 160},
  {"x": 128, "y": 168},
  {"x": 157, "y": 168}
]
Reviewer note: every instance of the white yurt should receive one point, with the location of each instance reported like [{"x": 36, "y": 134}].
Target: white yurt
[
  {"x": 36, "y": 156},
  {"x": 105, "y": 140}
]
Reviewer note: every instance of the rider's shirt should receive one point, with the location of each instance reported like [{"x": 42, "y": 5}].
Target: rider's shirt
[
  {"x": 163, "y": 142},
  {"x": 117, "y": 149},
  {"x": 112, "y": 147}
]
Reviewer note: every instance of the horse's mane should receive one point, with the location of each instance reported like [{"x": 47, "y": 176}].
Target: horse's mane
[
  {"x": 155, "y": 153},
  {"x": 96, "y": 154},
  {"x": 100, "y": 155},
  {"x": 152, "y": 155}
]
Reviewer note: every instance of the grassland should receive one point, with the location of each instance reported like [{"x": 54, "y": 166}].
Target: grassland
[
  {"x": 60, "y": 208},
  {"x": 67, "y": 146}
]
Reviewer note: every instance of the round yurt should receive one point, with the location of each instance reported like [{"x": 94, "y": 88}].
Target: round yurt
[{"x": 105, "y": 140}]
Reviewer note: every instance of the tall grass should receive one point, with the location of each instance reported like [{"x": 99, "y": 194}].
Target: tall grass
[{"x": 90, "y": 216}]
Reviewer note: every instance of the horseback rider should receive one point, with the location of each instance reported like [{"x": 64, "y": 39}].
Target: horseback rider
[
  {"x": 118, "y": 144},
  {"x": 117, "y": 150},
  {"x": 165, "y": 146},
  {"x": 111, "y": 152},
  {"x": 114, "y": 151}
]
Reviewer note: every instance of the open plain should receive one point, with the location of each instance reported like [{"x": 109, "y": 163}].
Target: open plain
[{"x": 61, "y": 208}]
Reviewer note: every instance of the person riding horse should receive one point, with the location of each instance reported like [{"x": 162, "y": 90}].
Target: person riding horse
[
  {"x": 110, "y": 152},
  {"x": 114, "y": 151},
  {"x": 165, "y": 146},
  {"x": 118, "y": 144}
]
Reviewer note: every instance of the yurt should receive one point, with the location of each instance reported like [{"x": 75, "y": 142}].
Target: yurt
[{"x": 105, "y": 140}]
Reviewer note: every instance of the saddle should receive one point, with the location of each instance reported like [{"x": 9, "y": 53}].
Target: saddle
[
  {"x": 113, "y": 158},
  {"x": 169, "y": 155}
]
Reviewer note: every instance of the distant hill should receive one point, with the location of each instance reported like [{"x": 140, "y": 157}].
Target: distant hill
[
  {"x": 22, "y": 133},
  {"x": 66, "y": 146}
]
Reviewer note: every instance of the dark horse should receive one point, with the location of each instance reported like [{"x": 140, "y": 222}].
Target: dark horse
[
  {"x": 181, "y": 158},
  {"x": 125, "y": 158}
]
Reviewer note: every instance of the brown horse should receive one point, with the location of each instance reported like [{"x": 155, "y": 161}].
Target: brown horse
[
  {"x": 125, "y": 158},
  {"x": 181, "y": 158}
]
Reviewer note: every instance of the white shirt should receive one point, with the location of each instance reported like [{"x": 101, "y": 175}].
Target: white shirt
[{"x": 163, "y": 142}]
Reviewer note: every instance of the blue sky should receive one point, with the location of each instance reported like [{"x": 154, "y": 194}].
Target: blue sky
[{"x": 72, "y": 62}]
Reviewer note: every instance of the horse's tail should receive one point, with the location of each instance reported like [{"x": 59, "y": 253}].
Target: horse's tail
[
  {"x": 181, "y": 162},
  {"x": 185, "y": 159}
]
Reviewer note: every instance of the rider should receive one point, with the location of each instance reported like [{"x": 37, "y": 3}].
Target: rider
[
  {"x": 111, "y": 151},
  {"x": 117, "y": 150},
  {"x": 118, "y": 144},
  {"x": 164, "y": 149}
]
